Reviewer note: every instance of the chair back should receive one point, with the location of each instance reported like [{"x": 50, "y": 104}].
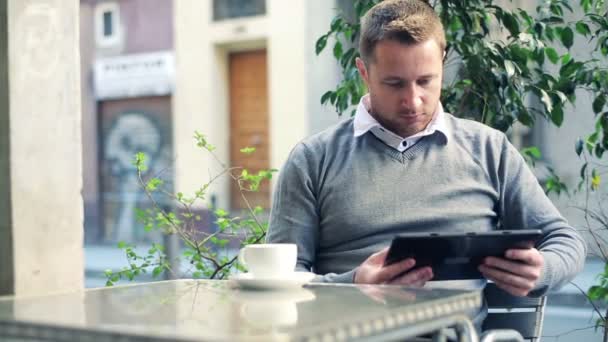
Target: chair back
[{"x": 506, "y": 311}]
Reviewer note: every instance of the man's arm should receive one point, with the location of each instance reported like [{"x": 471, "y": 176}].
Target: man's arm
[
  {"x": 294, "y": 217},
  {"x": 561, "y": 253}
]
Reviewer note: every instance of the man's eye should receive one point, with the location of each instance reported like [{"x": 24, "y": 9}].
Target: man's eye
[
  {"x": 395, "y": 84},
  {"x": 424, "y": 81}
]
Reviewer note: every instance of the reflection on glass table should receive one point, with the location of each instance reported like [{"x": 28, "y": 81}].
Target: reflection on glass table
[{"x": 201, "y": 310}]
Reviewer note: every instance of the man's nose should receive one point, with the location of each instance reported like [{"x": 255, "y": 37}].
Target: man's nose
[{"x": 411, "y": 97}]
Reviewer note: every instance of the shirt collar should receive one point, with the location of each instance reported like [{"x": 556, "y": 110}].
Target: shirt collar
[{"x": 365, "y": 122}]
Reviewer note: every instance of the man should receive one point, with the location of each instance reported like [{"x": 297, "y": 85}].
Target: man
[{"x": 404, "y": 165}]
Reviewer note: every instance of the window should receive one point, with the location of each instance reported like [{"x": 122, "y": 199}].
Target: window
[
  {"x": 227, "y": 9},
  {"x": 107, "y": 24}
]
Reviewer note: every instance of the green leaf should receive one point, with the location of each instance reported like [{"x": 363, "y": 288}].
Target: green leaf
[
  {"x": 321, "y": 43},
  {"x": 532, "y": 152},
  {"x": 590, "y": 141},
  {"x": 247, "y": 150},
  {"x": 594, "y": 292},
  {"x": 221, "y": 213},
  {"x": 201, "y": 141},
  {"x": 595, "y": 180},
  {"x": 511, "y": 23},
  {"x": 510, "y": 68},
  {"x": 562, "y": 97},
  {"x": 158, "y": 247},
  {"x": 557, "y": 115},
  {"x": 139, "y": 161},
  {"x": 567, "y": 37},
  {"x": 583, "y": 28},
  {"x": 157, "y": 271},
  {"x": 121, "y": 244},
  {"x": 579, "y": 147},
  {"x": 546, "y": 100},
  {"x": 552, "y": 55},
  {"x": 525, "y": 118},
  {"x": 599, "y": 151},
  {"x": 153, "y": 184},
  {"x": 326, "y": 97},
  {"x": 583, "y": 171},
  {"x": 336, "y": 23},
  {"x": 598, "y": 103},
  {"x": 338, "y": 50},
  {"x": 570, "y": 68},
  {"x": 348, "y": 33}
]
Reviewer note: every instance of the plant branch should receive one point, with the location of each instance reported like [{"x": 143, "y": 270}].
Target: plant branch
[{"x": 595, "y": 308}]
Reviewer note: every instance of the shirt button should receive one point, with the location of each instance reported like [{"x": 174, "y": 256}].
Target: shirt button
[{"x": 404, "y": 143}]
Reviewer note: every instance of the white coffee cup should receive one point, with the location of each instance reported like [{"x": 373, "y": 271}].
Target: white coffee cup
[
  {"x": 269, "y": 260},
  {"x": 273, "y": 313}
]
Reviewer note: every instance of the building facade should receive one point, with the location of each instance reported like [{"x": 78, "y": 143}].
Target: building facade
[
  {"x": 242, "y": 72},
  {"x": 128, "y": 78}
]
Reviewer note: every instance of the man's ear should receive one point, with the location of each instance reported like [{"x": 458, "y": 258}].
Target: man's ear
[{"x": 362, "y": 69}]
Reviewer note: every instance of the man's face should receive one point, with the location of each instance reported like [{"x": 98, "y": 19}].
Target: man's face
[{"x": 404, "y": 83}]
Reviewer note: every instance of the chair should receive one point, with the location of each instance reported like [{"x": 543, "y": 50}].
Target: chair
[{"x": 508, "y": 314}]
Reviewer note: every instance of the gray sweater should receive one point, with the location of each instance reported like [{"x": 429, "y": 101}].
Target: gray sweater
[{"x": 341, "y": 198}]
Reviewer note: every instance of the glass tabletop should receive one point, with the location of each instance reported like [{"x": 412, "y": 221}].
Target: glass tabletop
[{"x": 193, "y": 310}]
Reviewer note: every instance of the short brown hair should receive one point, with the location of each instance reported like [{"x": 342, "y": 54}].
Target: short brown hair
[{"x": 406, "y": 21}]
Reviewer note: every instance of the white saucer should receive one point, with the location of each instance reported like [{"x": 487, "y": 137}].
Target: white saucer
[
  {"x": 292, "y": 295},
  {"x": 294, "y": 280}
]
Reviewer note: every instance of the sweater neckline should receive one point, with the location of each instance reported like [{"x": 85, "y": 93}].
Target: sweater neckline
[{"x": 406, "y": 155}]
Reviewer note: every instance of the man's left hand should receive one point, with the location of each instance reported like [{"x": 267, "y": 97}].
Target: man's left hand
[{"x": 517, "y": 273}]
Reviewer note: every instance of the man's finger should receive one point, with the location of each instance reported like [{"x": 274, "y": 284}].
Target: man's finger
[
  {"x": 515, "y": 267},
  {"x": 507, "y": 278},
  {"x": 415, "y": 277},
  {"x": 391, "y": 271},
  {"x": 379, "y": 256},
  {"x": 529, "y": 256}
]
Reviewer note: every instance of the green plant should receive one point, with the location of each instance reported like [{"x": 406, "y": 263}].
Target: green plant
[
  {"x": 204, "y": 251},
  {"x": 512, "y": 66}
]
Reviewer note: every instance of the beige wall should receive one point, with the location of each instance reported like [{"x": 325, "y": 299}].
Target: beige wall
[
  {"x": 44, "y": 227},
  {"x": 90, "y": 146},
  {"x": 296, "y": 76},
  {"x": 7, "y": 284}
]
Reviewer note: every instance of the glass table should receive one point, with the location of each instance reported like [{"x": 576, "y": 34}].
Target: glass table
[{"x": 205, "y": 310}]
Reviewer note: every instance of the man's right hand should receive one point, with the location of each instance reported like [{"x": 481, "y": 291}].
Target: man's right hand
[{"x": 372, "y": 271}]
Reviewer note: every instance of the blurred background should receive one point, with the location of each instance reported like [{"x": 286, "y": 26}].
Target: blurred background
[{"x": 244, "y": 73}]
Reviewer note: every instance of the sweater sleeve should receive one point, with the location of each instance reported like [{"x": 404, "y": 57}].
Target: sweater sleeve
[
  {"x": 524, "y": 205},
  {"x": 294, "y": 216}
]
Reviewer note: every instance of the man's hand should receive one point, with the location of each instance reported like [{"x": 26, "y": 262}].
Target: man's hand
[
  {"x": 516, "y": 273},
  {"x": 371, "y": 271}
]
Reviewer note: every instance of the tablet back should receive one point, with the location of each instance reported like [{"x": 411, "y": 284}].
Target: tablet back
[{"x": 457, "y": 255}]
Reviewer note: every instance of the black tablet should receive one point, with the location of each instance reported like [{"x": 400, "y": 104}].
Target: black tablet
[{"x": 455, "y": 256}]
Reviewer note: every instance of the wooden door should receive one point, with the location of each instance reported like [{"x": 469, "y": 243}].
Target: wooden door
[{"x": 249, "y": 122}]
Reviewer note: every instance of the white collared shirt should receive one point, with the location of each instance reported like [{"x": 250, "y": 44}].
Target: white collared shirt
[{"x": 365, "y": 122}]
